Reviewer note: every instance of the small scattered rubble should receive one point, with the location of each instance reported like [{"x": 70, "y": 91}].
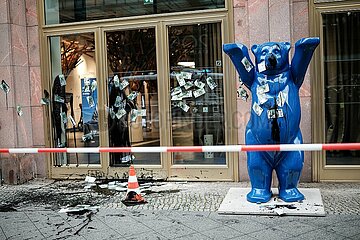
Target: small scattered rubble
[
  {"x": 79, "y": 209},
  {"x": 7, "y": 208},
  {"x": 84, "y": 212},
  {"x": 58, "y": 194},
  {"x": 101, "y": 186},
  {"x": 279, "y": 209}
]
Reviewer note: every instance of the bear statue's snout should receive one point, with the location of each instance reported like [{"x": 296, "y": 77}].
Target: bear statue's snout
[{"x": 271, "y": 61}]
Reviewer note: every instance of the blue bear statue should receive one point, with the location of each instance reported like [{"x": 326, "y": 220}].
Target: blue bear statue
[{"x": 275, "y": 114}]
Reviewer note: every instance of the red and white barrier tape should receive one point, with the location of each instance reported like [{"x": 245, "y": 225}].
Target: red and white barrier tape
[{"x": 223, "y": 148}]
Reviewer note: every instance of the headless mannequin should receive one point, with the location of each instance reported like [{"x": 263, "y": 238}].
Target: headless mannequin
[
  {"x": 119, "y": 128},
  {"x": 58, "y": 108}
]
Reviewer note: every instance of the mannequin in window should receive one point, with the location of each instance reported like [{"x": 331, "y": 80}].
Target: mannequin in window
[
  {"x": 119, "y": 128},
  {"x": 59, "y": 111}
]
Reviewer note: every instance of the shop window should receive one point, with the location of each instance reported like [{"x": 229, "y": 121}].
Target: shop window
[
  {"x": 342, "y": 84},
  {"x": 67, "y": 11},
  {"x": 74, "y": 97},
  {"x": 196, "y": 94},
  {"x": 133, "y": 114}
]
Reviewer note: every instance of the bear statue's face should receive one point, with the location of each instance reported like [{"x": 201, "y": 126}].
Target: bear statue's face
[{"x": 272, "y": 57}]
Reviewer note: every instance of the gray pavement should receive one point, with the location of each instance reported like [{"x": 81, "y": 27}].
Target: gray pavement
[{"x": 186, "y": 210}]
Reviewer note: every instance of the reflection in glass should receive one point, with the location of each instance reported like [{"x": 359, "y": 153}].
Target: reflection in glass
[
  {"x": 342, "y": 84},
  {"x": 133, "y": 115},
  {"x": 74, "y": 97},
  {"x": 67, "y": 11},
  {"x": 196, "y": 82}
]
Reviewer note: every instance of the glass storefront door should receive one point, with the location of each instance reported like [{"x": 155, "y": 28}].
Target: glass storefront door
[
  {"x": 336, "y": 90},
  {"x": 135, "y": 83},
  {"x": 196, "y": 100},
  {"x": 193, "y": 88},
  {"x": 342, "y": 84},
  {"x": 133, "y": 109},
  {"x": 196, "y": 91},
  {"x": 73, "y": 97}
]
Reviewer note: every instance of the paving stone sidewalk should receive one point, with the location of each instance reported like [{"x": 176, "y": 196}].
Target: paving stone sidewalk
[
  {"x": 338, "y": 198},
  {"x": 171, "y": 224},
  {"x": 175, "y": 210}
]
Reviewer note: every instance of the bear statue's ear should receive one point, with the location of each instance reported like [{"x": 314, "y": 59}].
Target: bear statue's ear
[
  {"x": 287, "y": 45},
  {"x": 254, "y": 49}
]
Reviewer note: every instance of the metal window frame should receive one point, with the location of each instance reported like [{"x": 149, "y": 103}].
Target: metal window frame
[
  {"x": 321, "y": 171},
  {"x": 230, "y": 172}
]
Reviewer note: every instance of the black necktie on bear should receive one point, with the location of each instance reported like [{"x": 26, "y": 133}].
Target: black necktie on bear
[{"x": 275, "y": 130}]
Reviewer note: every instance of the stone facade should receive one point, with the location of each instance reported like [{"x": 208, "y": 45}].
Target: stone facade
[
  {"x": 20, "y": 68},
  {"x": 259, "y": 21},
  {"x": 255, "y": 21}
]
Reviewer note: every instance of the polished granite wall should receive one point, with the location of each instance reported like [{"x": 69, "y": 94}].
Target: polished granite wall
[
  {"x": 20, "y": 68},
  {"x": 258, "y": 21},
  {"x": 255, "y": 21}
]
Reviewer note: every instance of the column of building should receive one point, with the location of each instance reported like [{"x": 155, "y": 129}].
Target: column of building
[
  {"x": 259, "y": 21},
  {"x": 21, "y": 114}
]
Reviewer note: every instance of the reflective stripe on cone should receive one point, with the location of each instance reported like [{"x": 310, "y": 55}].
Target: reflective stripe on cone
[{"x": 133, "y": 196}]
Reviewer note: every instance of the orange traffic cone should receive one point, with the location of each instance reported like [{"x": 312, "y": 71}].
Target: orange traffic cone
[{"x": 133, "y": 196}]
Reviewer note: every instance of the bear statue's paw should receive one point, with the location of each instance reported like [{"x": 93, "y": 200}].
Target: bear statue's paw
[
  {"x": 291, "y": 195},
  {"x": 258, "y": 195}
]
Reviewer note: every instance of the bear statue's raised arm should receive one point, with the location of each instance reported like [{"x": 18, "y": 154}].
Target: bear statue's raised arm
[
  {"x": 304, "y": 49},
  {"x": 239, "y": 55}
]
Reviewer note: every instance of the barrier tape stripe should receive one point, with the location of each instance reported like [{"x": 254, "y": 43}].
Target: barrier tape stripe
[
  {"x": 185, "y": 149},
  {"x": 49, "y": 150},
  {"x": 149, "y": 149},
  {"x": 253, "y": 148},
  {"x": 305, "y": 147},
  {"x": 342, "y": 146},
  {"x": 221, "y": 148},
  {"x": 23, "y": 150},
  {"x": 115, "y": 150}
]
